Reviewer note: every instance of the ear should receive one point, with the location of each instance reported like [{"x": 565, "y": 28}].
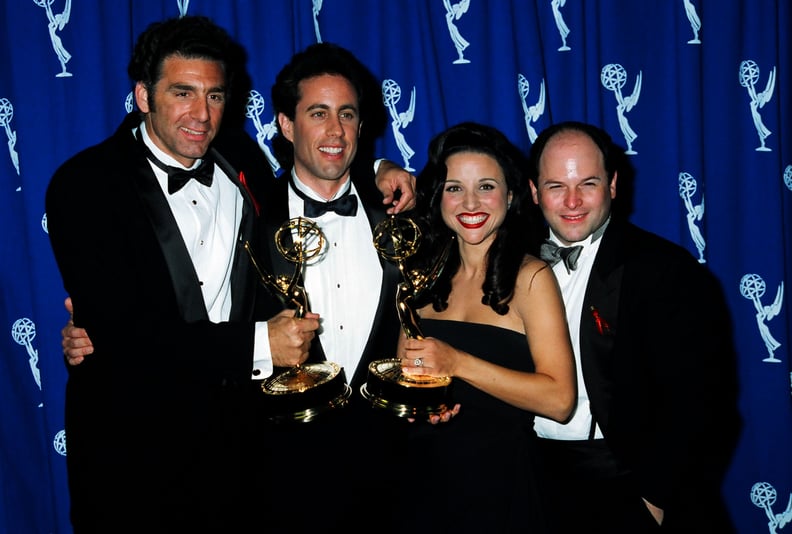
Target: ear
[
  {"x": 286, "y": 126},
  {"x": 534, "y": 192},
  {"x": 141, "y": 97},
  {"x": 612, "y": 185}
]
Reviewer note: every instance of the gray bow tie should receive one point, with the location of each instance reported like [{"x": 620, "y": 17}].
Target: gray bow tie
[{"x": 552, "y": 254}]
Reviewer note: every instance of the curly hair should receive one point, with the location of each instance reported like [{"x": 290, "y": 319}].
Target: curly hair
[
  {"x": 507, "y": 251},
  {"x": 191, "y": 37}
]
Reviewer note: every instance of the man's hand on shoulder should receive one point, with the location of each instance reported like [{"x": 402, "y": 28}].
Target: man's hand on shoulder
[{"x": 391, "y": 178}]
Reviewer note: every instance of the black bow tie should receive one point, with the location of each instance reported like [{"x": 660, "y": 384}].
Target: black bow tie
[
  {"x": 178, "y": 178},
  {"x": 345, "y": 205},
  {"x": 552, "y": 254}
]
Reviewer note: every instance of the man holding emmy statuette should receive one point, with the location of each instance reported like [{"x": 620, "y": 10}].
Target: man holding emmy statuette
[{"x": 323, "y": 99}]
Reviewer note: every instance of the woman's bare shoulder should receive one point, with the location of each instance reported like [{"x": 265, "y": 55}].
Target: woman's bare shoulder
[{"x": 533, "y": 270}]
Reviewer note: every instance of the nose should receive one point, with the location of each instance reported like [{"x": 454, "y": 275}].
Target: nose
[
  {"x": 334, "y": 128},
  {"x": 200, "y": 110},
  {"x": 573, "y": 198},
  {"x": 470, "y": 201}
]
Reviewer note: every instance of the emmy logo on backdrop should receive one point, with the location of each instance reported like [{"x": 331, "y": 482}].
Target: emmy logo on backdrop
[
  {"x": 6, "y": 114},
  {"x": 687, "y": 188},
  {"x": 184, "y": 5},
  {"x": 59, "y": 442},
  {"x": 391, "y": 94},
  {"x": 531, "y": 113},
  {"x": 264, "y": 132},
  {"x": 753, "y": 287},
  {"x": 764, "y": 495},
  {"x": 563, "y": 29},
  {"x": 455, "y": 12},
  {"x": 613, "y": 78},
  {"x": 788, "y": 177},
  {"x": 303, "y": 392},
  {"x": 749, "y": 75},
  {"x": 24, "y": 331},
  {"x": 695, "y": 21},
  {"x": 316, "y": 8},
  {"x": 56, "y": 24},
  {"x": 406, "y": 395}
]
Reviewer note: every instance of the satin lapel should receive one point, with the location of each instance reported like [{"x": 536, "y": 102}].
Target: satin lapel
[
  {"x": 385, "y": 316},
  {"x": 599, "y": 321},
  {"x": 276, "y": 212},
  {"x": 163, "y": 224},
  {"x": 243, "y": 288}
]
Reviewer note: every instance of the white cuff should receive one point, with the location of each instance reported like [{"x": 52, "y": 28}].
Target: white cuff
[{"x": 262, "y": 355}]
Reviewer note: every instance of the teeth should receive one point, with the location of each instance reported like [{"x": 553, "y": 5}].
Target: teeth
[
  {"x": 331, "y": 150},
  {"x": 473, "y": 219},
  {"x": 192, "y": 132}
]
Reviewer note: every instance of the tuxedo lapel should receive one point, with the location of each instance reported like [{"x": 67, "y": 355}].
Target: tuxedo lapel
[
  {"x": 385, "y": 318},
  {"x": 243, "y": 289},
  {"x": 180, "y": 267},
  {"x": 599, "y": 322}
]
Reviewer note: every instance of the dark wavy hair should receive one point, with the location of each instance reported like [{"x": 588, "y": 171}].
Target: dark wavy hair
[
  {"x": 507, "y": 251},
  {"x": 191, "y": 37},
  {"x": 316, "y": 60}
]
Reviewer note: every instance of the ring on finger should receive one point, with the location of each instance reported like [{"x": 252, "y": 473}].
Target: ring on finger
[{"x": 418, "y": 362}]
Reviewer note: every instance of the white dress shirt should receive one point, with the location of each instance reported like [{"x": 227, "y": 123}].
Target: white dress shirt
[
  {"x": 343, "y": 283},
  {"x": 573, "y": 290},
  {"x": 208, "y": 219}
]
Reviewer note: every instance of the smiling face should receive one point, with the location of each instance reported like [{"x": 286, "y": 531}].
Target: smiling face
[
  {"x": 324, "y": 132},
  {"x": 572, "y": 189},
  {"x": 186, "y": 108},
  {"x": 475, "y": 197}
]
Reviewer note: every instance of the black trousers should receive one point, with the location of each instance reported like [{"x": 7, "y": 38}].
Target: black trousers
[{"x": 585, "y": 490}]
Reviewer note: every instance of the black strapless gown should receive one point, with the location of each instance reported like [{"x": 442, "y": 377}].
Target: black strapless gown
[{"x": 477, "y": 473}]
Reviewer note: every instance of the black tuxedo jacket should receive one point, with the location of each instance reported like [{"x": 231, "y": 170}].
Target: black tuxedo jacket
[
  {"x": 658, "y": 364},
  {"x": 152, "y": 417}
]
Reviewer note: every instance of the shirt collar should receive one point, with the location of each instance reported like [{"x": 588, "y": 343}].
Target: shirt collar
[{"x": 299, "y": 184}]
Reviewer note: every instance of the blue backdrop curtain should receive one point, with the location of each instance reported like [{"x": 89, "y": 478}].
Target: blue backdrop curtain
[{"x": 698, "y": 91}]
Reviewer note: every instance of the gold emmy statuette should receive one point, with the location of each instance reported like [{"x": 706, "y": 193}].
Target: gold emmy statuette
[
  {"x": 406, "y": 395},
  {"x": 303, "y": 392}
]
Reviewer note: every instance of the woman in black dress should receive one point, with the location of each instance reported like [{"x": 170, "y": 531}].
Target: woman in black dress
[{"x": 494, "y": 321}]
